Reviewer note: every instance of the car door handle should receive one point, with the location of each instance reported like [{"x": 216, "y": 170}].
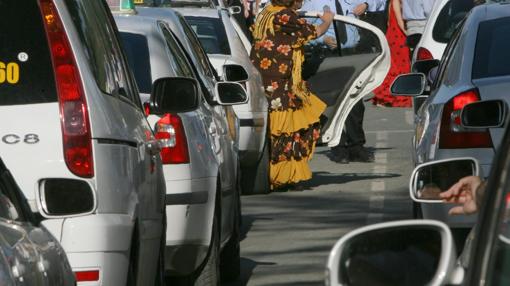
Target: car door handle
[{"x": 153, "y": 147}]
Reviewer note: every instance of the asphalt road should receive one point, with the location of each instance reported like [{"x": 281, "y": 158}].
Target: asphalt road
[{"x": 287, "y": 236}]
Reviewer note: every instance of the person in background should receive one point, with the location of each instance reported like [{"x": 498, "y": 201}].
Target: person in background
[
  {"x": 241, "y": 18},
  {"x": 251, "y": 10},
  {"x": 351, "y": 146},
  {"x": 415, "y": 14},
  {"x": 400, "y": 59},
  {"x": 278, "y": 53}
]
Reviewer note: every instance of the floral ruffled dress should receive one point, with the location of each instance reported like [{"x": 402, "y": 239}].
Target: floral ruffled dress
[{"x": 294, "y": 112}]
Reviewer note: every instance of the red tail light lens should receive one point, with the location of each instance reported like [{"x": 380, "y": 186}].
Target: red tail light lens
[
  {"x": 424, "y": 54},
  {"x": 170, "y": 133},
  {"x": 451, "y": 136},
  {"x": 73, "y": 106},
  {"x": 87, "y": 276}
]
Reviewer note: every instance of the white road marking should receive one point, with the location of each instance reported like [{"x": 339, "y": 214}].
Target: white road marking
[
  {"x": 381, "y": 136},
  {"x": 378, "y": 186},
  {"x": 381, "y": 145},
  {"x": 409, "y": 117},
  {"x": 376, "y": 202},
  {"x": 381, "y": 158},
  {"x": 380, "y": 169}
]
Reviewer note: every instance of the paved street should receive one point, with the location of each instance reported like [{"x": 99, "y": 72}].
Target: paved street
[{"x": 287, "y": 236}]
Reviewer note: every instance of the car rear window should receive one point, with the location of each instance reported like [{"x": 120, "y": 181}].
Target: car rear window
[
  {"x": 450, "y": 16},
  {"x": 136, "y": 48},
  {"x": 26, "y": 72},
  {"x": 492, "y": 48},
  {"x": 211, "y": 33}
]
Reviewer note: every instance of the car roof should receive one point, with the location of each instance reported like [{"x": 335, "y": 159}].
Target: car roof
[
  {"x": 199, "y": 12},
  {"x": 490, "y": 11},
  {"x": 136, "y": 23}
]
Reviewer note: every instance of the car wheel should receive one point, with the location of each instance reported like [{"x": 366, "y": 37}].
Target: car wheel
[
  {"x": 255, "y": 180},
  {"x": 210, "y": 274},
  {"x": 417, "y": 213},
  {"x": 230, "y": 262}
]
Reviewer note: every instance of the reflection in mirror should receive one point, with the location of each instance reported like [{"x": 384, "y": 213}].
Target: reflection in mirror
[
  {"x": 231, "y": 93},
  {"x": 484, "y": 114},
  {"x": 391, "y": 256},
  {"x": 430, "y": 180},
  {"x": 412, "y": 84}
]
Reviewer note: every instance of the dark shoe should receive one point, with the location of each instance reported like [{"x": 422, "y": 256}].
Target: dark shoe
[
  {"x": 339, "y": 155},
  {"x": 361, "y": 154}
]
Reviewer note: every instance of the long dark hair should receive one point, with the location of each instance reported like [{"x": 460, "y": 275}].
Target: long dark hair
[{"x": 286, "y": 3}]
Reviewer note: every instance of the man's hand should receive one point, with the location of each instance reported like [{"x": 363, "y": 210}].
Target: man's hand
[
  {"x": 360, "y": 9},
  {"x": 330, "y": 42},
  {"x": 327, "y": 16},
  {"x": 466, "y": 192}
]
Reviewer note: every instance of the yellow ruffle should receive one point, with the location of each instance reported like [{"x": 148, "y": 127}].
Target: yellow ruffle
[
  {"x": 289, "y": 172},
  {"x": 290, "y": 121}
]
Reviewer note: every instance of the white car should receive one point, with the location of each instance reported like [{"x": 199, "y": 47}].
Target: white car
[
  {"x": 224, "y": 46},
  {"x": 74, "y": 134},
  {"x": 443, "y": 19},
  {"x": 196, "y": 154}
]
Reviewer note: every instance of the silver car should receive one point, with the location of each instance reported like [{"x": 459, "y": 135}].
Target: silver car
[
  {"x": 474, "y": 67},
  {"x": 29, "y": 254},
  {"x": 199, "y": 149}
]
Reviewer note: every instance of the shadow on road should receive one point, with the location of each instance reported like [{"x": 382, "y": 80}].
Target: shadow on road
[
  {"x": 326, "y": 178},
  {"x": 247, "y": 267}
]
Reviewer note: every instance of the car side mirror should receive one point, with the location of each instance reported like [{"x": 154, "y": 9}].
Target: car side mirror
[
  {"x": 230, "y": 93},
  {"x": 174, "y": 95},
  {"x": 409, "y": 252},
  {"x": 430, "y": 179},
  {"x": 411, "y": 84},
  {"x": 484, "y": 114},
  {"x": 235, "y": 73}
]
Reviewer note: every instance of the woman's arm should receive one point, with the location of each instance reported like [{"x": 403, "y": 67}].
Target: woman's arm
[{"x": 397, "y": 9}]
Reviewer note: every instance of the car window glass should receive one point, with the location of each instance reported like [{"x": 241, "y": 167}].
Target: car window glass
[
  {"x": 492, "y": 47},
  {"x": 177, "y": 56},
  {"x": 26, "y": 72},
  {"x": 136, "y": 48},
  {"x": 203, "y": 61},
  {"x": 98, "y": 36},
  {"x": 449, "y": 18},
  {"x": 211, "y": 34}
]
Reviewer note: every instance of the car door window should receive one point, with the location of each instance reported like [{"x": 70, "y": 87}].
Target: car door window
[
  {"x": 98, "y": 36},
  {"x": 447, "y": 57},
  {"x": 211, "y": 34},
  {"x": 203, "y": 60},
  {"x": 492, "y": 46},
  {"x": 26, "y": 72},
  {"x": 453, "y": 12},
  {"x": 177, "y": 57},
  {"x": 343, "y": 52}
]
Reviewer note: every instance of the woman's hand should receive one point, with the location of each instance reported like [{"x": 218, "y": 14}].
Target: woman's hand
[{"x": 466, "y": 192}]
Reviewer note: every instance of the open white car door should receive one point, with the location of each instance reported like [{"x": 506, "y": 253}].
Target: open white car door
[{"x": 341, "y": 77}]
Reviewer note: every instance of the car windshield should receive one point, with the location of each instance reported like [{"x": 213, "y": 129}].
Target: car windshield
[
  {"x": 137, "y": 52},
  {"x": 211, "y": 33},
  {"x": 450, "y": 16},
  {"x": 492, "y": 46},
  {"x": 26, "y": 73}
]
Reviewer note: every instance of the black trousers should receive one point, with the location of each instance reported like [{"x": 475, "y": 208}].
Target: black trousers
[{"x": 353, "y": 133}]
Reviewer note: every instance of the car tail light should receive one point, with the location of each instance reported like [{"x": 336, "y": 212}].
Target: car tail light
[
  {"x": 451, "y": 134},
  {"x": 172, "y": 139},
  {"x": 424, "y": 54},
  {"x": 87, "y": 276},
  {"x": 73, "y": 106}
]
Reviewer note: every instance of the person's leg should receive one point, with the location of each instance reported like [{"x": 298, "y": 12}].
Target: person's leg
[{"x": 356, "y": 135}]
